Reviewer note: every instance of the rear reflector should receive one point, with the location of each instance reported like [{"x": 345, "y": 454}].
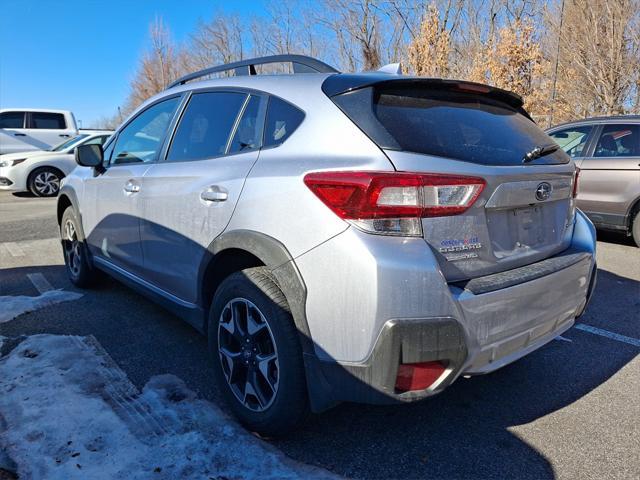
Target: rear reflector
[
  {"x": 575, "y": 182},
  {"x": 366, "y": 196},
  {"x": 418, "y": 376}
]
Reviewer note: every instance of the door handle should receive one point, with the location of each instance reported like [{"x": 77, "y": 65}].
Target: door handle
[
  {"x": 63, "y": 135},
  {"x": 214, "y": 194},
  {"x": 131, "y": 187},
  {"x": 20, "y": 134}
]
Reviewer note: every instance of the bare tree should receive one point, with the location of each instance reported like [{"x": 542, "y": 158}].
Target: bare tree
[
  {"x": 599, "y": 57},
  {"x": 508, "y": 43},
  {"x": 357, "y": 27},
  {"x": 217, "y": 41},
  {"x": 430, "y": 47},
  {"x": 159, "y": 66}
]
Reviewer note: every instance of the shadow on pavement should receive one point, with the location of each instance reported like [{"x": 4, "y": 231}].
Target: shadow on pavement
[{"x": 616, "y": 237}]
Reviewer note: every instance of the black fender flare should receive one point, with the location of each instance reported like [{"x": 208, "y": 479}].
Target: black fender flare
[
  {"x": 70, "y": 193},
  {"x": 275, "y": 256}
]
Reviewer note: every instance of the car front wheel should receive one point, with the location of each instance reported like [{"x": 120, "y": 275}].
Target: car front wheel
[
  {"x": 256, "y": 353},
  {"x": 45, "y": 182},
  {"x": 635, "y": 228},
  {"x": 74, "y": 248}
]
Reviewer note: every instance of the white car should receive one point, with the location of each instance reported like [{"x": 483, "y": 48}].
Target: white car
[
  {"x": 40, "y": 171},
  {"x": 27, "y": 129}
]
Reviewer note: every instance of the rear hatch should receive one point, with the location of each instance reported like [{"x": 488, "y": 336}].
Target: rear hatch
[{"x": 525, "y": 211}]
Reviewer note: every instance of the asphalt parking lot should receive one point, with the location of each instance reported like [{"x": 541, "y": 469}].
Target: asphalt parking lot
[{"x": 569, "y": 410}]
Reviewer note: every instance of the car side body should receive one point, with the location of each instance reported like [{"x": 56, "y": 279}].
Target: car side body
[
  {"x": 607, "y": 151},
  {"x": 26, "y": 171},
  {"x": 380, "y": 302}
]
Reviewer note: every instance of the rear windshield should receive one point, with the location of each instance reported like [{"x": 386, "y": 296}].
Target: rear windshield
[{"x": 464, "y": 126}]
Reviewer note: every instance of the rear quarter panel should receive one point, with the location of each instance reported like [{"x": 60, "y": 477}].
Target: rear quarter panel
[{"x": 275, "y": 201}]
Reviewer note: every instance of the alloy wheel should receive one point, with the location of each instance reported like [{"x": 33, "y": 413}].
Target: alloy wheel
[
  {"x": 248, "y": 354},
  {"x": 72, "y": 248},
  {"x": 46, "y": 183}
]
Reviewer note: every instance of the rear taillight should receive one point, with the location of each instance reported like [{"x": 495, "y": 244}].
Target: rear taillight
[
  {"x": 575, "y": 182},
  {"x": 392, "y": 203}
]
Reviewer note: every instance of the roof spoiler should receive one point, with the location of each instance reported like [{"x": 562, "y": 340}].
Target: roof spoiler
[{"x": 338, "y": 84}]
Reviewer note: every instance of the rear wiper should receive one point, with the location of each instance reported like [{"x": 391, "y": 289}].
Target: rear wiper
[{"x": 540, "y": 151}]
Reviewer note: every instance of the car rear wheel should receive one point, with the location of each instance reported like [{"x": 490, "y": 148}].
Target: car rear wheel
[
  {"x": 45, "y": 182},
  {"x": 256, "y": 353},
  {"x": 635, "y": 228},
  {"x": 74, "y": 248}
]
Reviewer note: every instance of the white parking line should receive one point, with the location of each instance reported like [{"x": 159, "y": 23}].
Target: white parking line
[
  {"x": 605, "y": 333},
  {"x": 41, "y": 283},
  {"x": 14, "y": 249},
  {"x": 563, "y": 339}
]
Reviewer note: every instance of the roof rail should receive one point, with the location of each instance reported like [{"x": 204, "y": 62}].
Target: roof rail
[{"x": 300, "y": 63}]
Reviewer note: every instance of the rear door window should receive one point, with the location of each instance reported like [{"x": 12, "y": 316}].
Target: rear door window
[
  {"x": 465, "y": 126},
  {"x": 12, "y": 120},
  {"x": 48, "y": 121},
  {"x": 205, "y": 126},
  {"x": 573, "y": 140},
  {"x": 248, "y": 135},
  {"x": 618, "y": 141},
  {"x": 282, "y": 120}
]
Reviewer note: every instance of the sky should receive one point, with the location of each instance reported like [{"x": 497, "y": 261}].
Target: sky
[{"x": 81, "y": 55}]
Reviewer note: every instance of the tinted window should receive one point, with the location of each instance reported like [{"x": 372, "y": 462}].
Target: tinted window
[
  {"x": 45, "y": 120},
  {"x": 282, "y": 120},
  {"x": 248, "y": 135},
  {"x": 206, "y": 125},
  {"x": 141, "y": 140},
  {"x": 447, "y": 123},
  {"x": 572, "y": 140},
  {"x": 107, "y": 153},
  {"x": 68, "y": 143},
  {"x": 97, "y": 140},
  {"x": 618, "y": 141},
  {"x": 12, "y": 120}
]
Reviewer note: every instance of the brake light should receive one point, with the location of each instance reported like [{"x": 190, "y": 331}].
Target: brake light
[
  {"x": 575, "y": 182},
  {"x": 473, "y": 87},
  {"x": 393, "y": 203}
]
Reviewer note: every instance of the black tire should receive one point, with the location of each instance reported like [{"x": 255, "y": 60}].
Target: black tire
[
  {"x": 289, "y": 404},
  {"x": 45, "y": 181},
  {"x": 80, "y": 271},
  {"x": 635, "y": 228}
]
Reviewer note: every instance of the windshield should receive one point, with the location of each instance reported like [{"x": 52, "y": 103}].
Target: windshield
[
  {"x": 447, "y": 123},
  {"x": 68, "y": 143}
]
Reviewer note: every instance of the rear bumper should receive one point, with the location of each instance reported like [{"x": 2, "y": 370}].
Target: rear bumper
[
  {"x": 487, "y": 330},
  {"x": 506, "y": 324}
]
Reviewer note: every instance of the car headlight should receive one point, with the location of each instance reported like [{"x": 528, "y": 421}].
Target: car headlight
[{"x": 11, "y": 163}]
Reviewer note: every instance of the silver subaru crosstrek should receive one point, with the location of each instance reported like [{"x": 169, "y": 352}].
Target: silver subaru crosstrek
[{"x": 338, "y": 237}]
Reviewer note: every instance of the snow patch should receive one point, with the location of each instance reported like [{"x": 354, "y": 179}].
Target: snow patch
[
  {"x": 71, "y": 413},
  {"x": 12, "y": 306}
]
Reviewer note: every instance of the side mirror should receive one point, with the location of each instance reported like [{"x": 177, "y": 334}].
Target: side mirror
[{"x": 90, "y": 156}]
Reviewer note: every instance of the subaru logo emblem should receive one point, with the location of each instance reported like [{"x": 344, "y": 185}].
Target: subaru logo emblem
[{"x": 543, "y": 192}]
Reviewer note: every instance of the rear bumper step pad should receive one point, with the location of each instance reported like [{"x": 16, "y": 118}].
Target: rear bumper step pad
[{"x": 509, "y": 278}]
